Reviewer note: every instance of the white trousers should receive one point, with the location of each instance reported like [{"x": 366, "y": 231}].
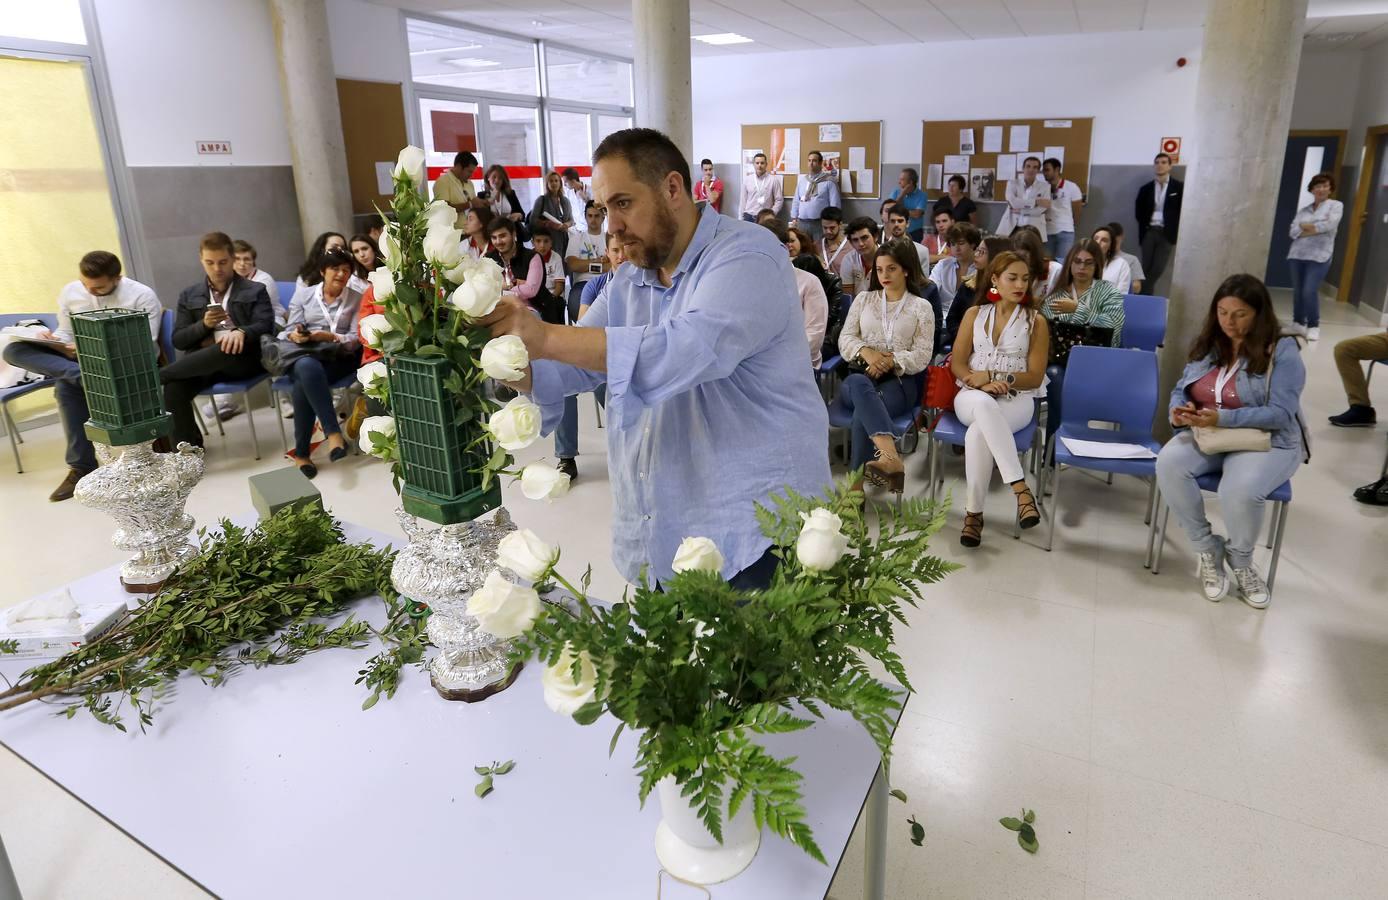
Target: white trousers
[{"x": 991, "y": 422}]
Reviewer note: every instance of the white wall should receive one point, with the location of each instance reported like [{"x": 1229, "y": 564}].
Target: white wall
[
  {"x": 1129, "y": 83},
  {"x": 1371, "y": 104},
  {"x": 184, "y": 71},
  {"x": 1325, "y": 88},
  {"x": 368, "y": 41}
]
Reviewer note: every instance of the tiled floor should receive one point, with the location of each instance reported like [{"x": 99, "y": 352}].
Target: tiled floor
[{"x": 1171, "y": 747}]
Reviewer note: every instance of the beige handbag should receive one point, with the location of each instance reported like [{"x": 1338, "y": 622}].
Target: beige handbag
[{"x": 1213, "y": 439}]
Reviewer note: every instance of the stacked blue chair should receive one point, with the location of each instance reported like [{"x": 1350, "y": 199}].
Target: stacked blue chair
[
  {"x": 1105, "y": 384},
  {"x": 50, "y": 321},
  {"x": 1144, "y": 321}
]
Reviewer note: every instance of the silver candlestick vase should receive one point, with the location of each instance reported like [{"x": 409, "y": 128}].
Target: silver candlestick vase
[
  {"x": 145, "y": 493},
  {"x": 442, "y": 568}
]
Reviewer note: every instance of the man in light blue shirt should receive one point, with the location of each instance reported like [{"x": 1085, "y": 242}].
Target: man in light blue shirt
[
  {"x": 814, "y": 191},
  {"x": 911, "y": 198},
  {"x": 701, "y": 343}
]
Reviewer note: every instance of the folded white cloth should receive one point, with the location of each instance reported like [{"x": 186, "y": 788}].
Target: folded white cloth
[{"x": 55, "y": 613}]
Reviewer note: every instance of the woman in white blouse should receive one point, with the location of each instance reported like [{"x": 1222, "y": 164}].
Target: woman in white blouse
[
  {"x": 889, "y": 335},
  {"x": 999, "y": 381},
  {"x": 1313, "y": 243},
  {"x": 1116, "y": 270}
]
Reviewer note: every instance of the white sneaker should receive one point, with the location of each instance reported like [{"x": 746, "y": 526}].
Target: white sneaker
[
  {"x": 1252, "y": 589},
  {"x": 1313, "y": 334},
  {"x": 1214, "y": 581}
]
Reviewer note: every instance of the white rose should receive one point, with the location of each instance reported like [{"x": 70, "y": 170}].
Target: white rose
[
  {"x": 382, "y": 283},
  {"x": 563, "y": 694},
  {"x": 439, "y": 216},
  {"x": 698, "y": 553},
  {"x": 458, "y": 274},
  {"x": 410, "y": 164},
  {"x": 505, "y": 358},
  {"x": 476, "y": 297},
  {"x": 542, "y": 482},
  {"x": 504, "y": 609},
  {"x": 371, "y": 374},
  {"x": 382, "y": 425},
  {"x": 443, "y": 247},
  {"x": 525, "y": 554},
  {"x": 488, "y": 270},
  {"x": 516, "y": 425},
  {"x": 822, "y": 541},
  {"x": 390, "y": 250},
  {"x": 372, "y": 329}
]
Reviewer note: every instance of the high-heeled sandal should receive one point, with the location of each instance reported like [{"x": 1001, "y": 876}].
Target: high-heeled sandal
[
  {"x": 892, "y": 481},
  {"x": 972, "y": 535},
  {"x": 1028, "y": 516}
]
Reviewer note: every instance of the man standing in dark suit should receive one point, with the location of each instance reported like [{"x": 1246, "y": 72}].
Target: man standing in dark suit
[
  {"x": 217, "y": 332},
  {"x": 1158, "y": 211}
]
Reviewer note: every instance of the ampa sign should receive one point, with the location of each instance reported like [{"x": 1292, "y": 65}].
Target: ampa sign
[{"x": 214, "y": 147}]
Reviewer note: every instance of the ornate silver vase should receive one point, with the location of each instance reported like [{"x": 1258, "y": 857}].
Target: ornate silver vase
[
  {"x": 441, "y": 568},
  {"x": 145, "y": 493}
]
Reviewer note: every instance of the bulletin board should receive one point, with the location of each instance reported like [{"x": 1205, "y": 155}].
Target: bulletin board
[
  {"x": 943, "y": 139},
  {"x": 843, "y": 138},
  {"x": 373, "y": 131}
]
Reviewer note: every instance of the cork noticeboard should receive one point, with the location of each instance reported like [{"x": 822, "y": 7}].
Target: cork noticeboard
[
  {"x": 942, "y": 139},
  {"x": 841, "y": 142},
  {"x": 373, "y": 131}
]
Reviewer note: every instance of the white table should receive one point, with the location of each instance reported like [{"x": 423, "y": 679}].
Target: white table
[{"x": 277, "y": 784}]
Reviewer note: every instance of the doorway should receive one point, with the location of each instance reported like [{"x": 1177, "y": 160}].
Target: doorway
[
  {"x": 1309, "y": 153},
  {"x": 1368, "y": 278}
]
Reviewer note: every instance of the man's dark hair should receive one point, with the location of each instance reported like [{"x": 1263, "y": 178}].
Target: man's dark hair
[
  {"x": 861, "y": 223},
  {"x": 776, "y": 227},
  {"x": 966, "y": 232},
  {"x": 375, "y": 220},
  {"x": 541, "y": 234},
  {"x": 705, "y": 162},
  {"x": 217, "y": 240},
  {"x": 1035, "y": 159},
  {"x": 591, "y": 204},
  {"x": 831, "y": 214},
  {"x": 99, "y": 264},
  {"x": 501, "y": 223},
  {"x": 913, "y": 175},
  {"x": 963, "y": 185},
  {"x": 570, "y": 174},
  {"x": 885, "y": 203},
  {"x": 465, "y": 159},
  {"x": 758, "y": 155},
  {"x": 1165, "y": 156},
  {"x": 941, "y": 211},
  {"x": 240, "y": 246},
  {"x": 650, "y": 154},
  {"x": 1115, "y": 229},
  {"x": 1053, "y": 163},
  {"x": 898, "y": 212},
  {"x": 816, "y": 153}
]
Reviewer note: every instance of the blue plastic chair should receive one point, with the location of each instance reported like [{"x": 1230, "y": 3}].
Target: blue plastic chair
[
  {"x": 285, "y": 385},
  {"x": 1281, "y": 500},
  {"x": 825, "y": 372},
  {"x": 286, "y": 292},
  {"x": 950, "y": 431},
  {"x": 241, "y": 386},
  {"x": 14, "y": 393},
  {"x": 1144, "y": 321},
  {"x": 1106, "y": 384}
]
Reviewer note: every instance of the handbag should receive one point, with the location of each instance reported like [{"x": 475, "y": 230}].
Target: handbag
[
  {"x": 277, "y": 357},
  {"x": 940, "y": 388},
  {"x": 1212, "y": 439},
  {"x": 1065, "y": 336}
]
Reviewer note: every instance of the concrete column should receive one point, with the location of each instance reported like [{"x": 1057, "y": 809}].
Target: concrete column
[
  {"x": 1243, "y": 109},
  {"x": 312, "y": 118},
  {"x": 663, "y": 94}
]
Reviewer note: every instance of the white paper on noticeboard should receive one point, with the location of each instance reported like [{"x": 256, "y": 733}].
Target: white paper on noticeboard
[
  {"x": 790, "y": 154},
  {"x": 1058, "y": 123},
  {"x": 845, "y": 180},
  {"x": 1022, "y": 158},
  {"x": 829, "y": 134},
  {"x": 1055, "y": 153},
  {"x": 934, "y": 177},
  {"x": 956, "y": 165},
  {"x": 864, "y": 179},
  {"x": 1007, "y": 166},
  {"x": 857, "y": 158},
  {"x": 384, "y": 183},
  {"x": 748, "y": 154},
  {"x": 966, "y": 141},
  {"x": 992, "y": 139},
  {"x": 1020, "y": 139}
]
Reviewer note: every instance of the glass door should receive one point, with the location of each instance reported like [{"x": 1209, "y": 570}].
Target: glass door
[
  {"x": 512, "y": 138},
  {"x": 449, "y": 127}
]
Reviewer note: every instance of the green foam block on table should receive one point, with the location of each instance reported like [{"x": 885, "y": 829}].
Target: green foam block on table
[{"x": 274, "y": 490}]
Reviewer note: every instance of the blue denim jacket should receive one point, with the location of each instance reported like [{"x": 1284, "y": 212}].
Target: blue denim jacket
[{"x": 1275, "y": 408}]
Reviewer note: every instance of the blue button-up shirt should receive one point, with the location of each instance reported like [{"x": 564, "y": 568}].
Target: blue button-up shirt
[
  {"x": 711, "y": 408},
  {"x": 826, "y": 193}
]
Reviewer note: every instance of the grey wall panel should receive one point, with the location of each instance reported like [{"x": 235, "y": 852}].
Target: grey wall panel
[
  {"x": 1345, "y": 195},
  {"x": 178, "y": 204}
]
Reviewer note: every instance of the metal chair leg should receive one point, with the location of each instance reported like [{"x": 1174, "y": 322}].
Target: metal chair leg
[
  {"x": 1055, "y": 510},
  {"x": 13, "y": 431},
  {"x": 1277, "y": 543},
  {"x": 279, "y": 418},
  {"x": 250, "y": 417},
  {"x": 197, "y": 414},
  {"x": 597, "y": 409},
  {"x": 1151, "y": 501},
  {"x": 1161, "y": 540}
]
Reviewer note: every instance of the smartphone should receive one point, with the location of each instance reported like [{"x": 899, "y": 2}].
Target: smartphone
[{"x": 595, "y": 268}]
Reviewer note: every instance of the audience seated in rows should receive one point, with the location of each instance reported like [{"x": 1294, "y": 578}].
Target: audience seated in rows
[
  {"x": 522, "y": 271},
  {"x": 897, "y": 222},
  {"x": 832, "y": 248},
  {"x": 962, "y": 239},
  {"x": 477, "y": 225},
  {"x": 245, "y": 266},
  {"x": 1029, "y": 243},
  {"x": 856, "y": 269},
  {"x": 366, "y": 255},
  {"x": 553, "y": 265},
  {"x": 1079, "y": 299},
  {"x": 586, "y": 256},
  {"x": 1113, "y": 268},
  {"x": 832, "y": 287},
  {"x": 1350, "y": 356},
  {"x": 937, "y": 242},
  {"x": 814, "y": 304},
  {"x": 1134, "y": 264},
  {"x": 972, "y": 288}
]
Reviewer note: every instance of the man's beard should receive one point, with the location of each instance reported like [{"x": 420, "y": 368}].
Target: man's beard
[{"x": 654, "y": 251}]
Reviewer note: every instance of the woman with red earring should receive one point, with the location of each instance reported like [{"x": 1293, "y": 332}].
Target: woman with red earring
[{"x": 999, "y": 381}]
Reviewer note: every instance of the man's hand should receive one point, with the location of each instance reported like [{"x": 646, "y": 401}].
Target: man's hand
[
  {"x": 231, "y": 342},
  {"x": 514, "y": 316},
  {"x": 213, "y": 315}
]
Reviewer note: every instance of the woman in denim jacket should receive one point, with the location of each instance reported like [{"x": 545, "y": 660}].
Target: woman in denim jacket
[{"x": 1227, "y": 383}]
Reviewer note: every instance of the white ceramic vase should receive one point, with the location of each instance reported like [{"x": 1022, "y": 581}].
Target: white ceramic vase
[{"x": 687, "y": 850}]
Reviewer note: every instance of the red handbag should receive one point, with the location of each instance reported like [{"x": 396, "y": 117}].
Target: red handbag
[{"x": 940, "y": 389}]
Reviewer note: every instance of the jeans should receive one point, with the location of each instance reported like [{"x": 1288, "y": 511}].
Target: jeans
[
  {"x": 1306, "y": 290},
  {"x": 874, "y": 406},
  {"x": 72, "y": 402},
  {"x": 1248, "y": 477},
  {"x": 1155, "y": 253},
  {"x": 313, "y": 398},
  {"x": 190, "y": 373},
  {"x": 991, "y": 422},
  {"x": 1060, "y": 243},
  {"x": 566, "y": 435}
]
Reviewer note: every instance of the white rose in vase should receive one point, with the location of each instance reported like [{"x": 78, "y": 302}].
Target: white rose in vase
[
  {"x": 382, "y": 425},
  {"x": 697, "y": 554},
  {"x": 563, "y": 693},
  {"x": 477, "y": 296},
  {"x": 373, "y": 378},
  {"x": 443, "y": 247},
  {"x": 516, "y": 425},
  {"x": 410, "y": 164},
  {"x": 382, "y": 282},
  {"x": 503, "y": 609},
  {"x": 373, "y": 328},
  {"x": 458, "y": 274},
  {"x": 525, "y": 554},
  {"x": 822, "y": 542},
  {"x": 504, "y": 358},
  {"x": 543, "y": 482},
  {"x": 390, "y": 250},
  {"x": 440, "y": 216}
]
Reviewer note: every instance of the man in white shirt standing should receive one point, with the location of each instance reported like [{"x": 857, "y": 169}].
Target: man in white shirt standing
[
  {"x": 578, "y": 193},
  {"x": 1066, "y": 202},
  {"x": 814, "y": 192},
  {"x": 760, "y": 190},
  {"x": 100, "y": 285},
  {"x": 1028, "y": 198}
]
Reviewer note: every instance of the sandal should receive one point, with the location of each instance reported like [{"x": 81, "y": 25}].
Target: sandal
[
  {"x": 1028, "y": 516},
  {"x": 972, "y": 534},
  {"x": 882, "y": 477}
]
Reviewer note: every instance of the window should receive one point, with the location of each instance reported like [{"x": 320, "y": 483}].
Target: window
[
  {"x": 59, "y": 21},
  {"x": 461, "y": 58},
  {"x": 587, "y": 79},
  {"x": 570, "y": 139}
]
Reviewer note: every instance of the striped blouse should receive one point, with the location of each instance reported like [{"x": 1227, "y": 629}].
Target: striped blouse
[{"x": 1100, "y": 306}]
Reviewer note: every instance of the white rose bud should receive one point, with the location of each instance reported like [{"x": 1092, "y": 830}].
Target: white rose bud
[
  {"x": 822, "y": 541},
  {"x": 516, "y": 425},
  {"x": 372, "y": 328},
  {"x": 525, "y": 554},
  {"x": 542, "y": 482},
  {"x": 371, "y": 374},
  {"x": 440, "y": 216},
  {"x": 444, "y": 247},
  {"x": 698, "y": 553},
  {"x": 458, "y": 274},
  {"x": 563, "y": 693},
  {"x": 410, "y": 164},
  {"x": 390, "y": 251},
  {"x": 382, "y": 425},
  {"x": 382, "y": 283},
  {"x": 504, "y": 609},
  {"x": 505, "y": 358},
  {"x": 476, "y": 297}
]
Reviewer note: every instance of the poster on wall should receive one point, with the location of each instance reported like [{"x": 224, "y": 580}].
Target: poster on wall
[
  {"x": 830, "y": 134},
  {"x": 1007, "y": 165},
  {"x": 453, "y": 132},
  {"x": 749, "y": 168},
  {"x": 857, "y": 158},
  {"x": 956, "y": 164},
  {"x": 934, "y": 177},
  {"x": 992, "y": 139},
  {"x": 981, "y": 183},
  {"x": 1055, "y": 153},
  {"x": 785, "y": 151},
  {"x": 966, "y": 141},
  {"x": 1019, "y": 139},
  {"x": 833, "y": 161}
]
